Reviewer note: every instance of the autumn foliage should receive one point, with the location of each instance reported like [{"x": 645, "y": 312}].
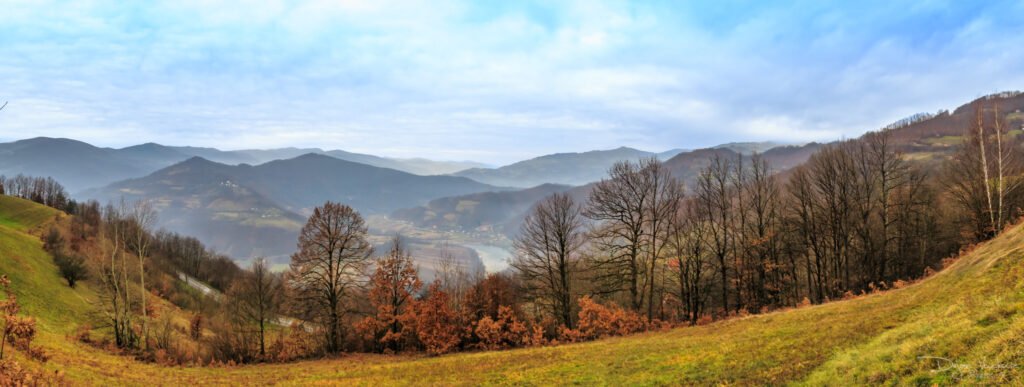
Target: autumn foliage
[
  {"x": 394, "y": 284},
  {"x": 436, "y": 322},
  {"x": 598, "y": 321}
]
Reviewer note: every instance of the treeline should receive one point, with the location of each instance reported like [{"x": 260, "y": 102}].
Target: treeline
[
  {"x": 42, "y": 190},
  {"x": 857, "y": 217}
]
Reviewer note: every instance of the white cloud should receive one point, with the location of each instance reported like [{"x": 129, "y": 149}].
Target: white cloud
[{"x": 498, "y": 81}]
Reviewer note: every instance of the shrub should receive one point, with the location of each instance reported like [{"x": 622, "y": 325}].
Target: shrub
[
  {"x": 294, "y": 344},
  {"x": 436, "y": 323},
  {"x": 489, "y": 333},
  {"x": 598, "y": 321},
  {"x": 72, "y": 267},
  {"x": 53, "y": 241},
  {"x": 13, "y": 374},
  {"x": 195, "y": 327},
  {"x": 804, "y": 303}
]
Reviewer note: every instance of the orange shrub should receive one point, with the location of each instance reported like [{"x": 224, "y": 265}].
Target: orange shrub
[
  {"x": 489, "y": 333},
  {"x": 805, "y": 302},
  {"x": 294, "y": 344},
  {"x": 437, "y": 325},
  {"x": 598, "y": 321},
  {"x": 506, "y": 332}
]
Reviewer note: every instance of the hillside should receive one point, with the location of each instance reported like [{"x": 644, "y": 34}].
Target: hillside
[
  {"x": 972, "y": 314},
  {"x": 74, "y": 164},
  {"x": 933, "y": 136},
  {"x": 80, "y": 166},
  {"x": 246, "y": 211},
  {"x": 503, "y": 212}
]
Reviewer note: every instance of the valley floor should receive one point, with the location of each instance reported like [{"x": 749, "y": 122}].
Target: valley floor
[{"x": 964, "y": 324}]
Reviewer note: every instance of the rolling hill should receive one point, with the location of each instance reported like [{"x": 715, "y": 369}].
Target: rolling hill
[
  {"x": 246, "y": 211},
  {"x": 74, "y": 164},
  {"x": 503, "y": 212},
  {"x": 963, "y": 324},
  {"x": 79, "y": 166}
]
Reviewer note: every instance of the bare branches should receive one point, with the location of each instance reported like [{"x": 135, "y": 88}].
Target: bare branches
[
  {"x": 332, "y": 260},
  {"x": 547, "y": 256}
]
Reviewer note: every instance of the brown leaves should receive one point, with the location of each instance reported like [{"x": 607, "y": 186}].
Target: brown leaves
[
  {"x": 506, "y": 331},
  {"x": 436, "y": 323},
  {"x": 393, "y": 285},
  {"x": 598, "y": 321}
]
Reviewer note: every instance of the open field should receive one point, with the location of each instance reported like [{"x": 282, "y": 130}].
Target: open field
[{"x": 969, "y": 313}]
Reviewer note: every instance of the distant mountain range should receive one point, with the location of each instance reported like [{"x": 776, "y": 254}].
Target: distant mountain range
[
  {"x": 78, "y": 165},
  {"x": 560, "y": 168}
]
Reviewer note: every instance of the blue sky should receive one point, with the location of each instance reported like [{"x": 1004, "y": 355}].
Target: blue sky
[{"x": 494, "y": 81}]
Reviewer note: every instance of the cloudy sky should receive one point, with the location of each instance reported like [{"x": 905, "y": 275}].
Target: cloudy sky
[{"x": 494, "y": 81}]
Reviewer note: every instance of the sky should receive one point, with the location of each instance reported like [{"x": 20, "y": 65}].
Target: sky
[{"x": 493, "y": 81}]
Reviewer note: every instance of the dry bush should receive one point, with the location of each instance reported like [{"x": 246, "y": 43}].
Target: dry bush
[
  {"x": 296, "y": 343},
  {"x": 13, "y": 374},
  {"x": 507, "y": 331},
  {"x": 598, "y": 321},
  {"x": 83, "y": 334},
  {"x": 195, "y": 327},
  {"x": 804, "y": 303}
]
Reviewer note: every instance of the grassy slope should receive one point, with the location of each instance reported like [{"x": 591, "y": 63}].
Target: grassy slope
[{"x": 970, "y": 313}]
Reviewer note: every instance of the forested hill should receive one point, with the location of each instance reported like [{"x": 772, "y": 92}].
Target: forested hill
[{"x": 245, "y": 210}]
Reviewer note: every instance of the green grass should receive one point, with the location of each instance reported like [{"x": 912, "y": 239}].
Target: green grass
[
  {"x": 21, "y": 214},
  {"x": 944, "y": 140},
  {"x": 970, "y": 313}
]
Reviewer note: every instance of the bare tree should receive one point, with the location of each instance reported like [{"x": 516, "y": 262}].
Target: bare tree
[
  {"x": 982, "y": 186},
  {"x": 620, "y": 204},
  {"x": 141, "y": 218},
  {"x": 332, "y": 260},
  {"x": 666, "y": 195},
  {"x": 115, "y": 295},
  {"x": 547, "y": 254},
  {"x": 689, "y": 259},
  {"x": 258, "y": 297},
  {"x": 714, "y": 199}
]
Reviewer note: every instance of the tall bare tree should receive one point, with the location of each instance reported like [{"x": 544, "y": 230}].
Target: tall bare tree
[
  {"x": 666, "y": 195},
  {"x": 115, "y": 293},
  {"x": 619, "y": 203},
  {"x": 689, "y": 259},
  {"x": 257, "y": 298},
  {"x": 714, "y": 198},
  {"x": 332, "y": 260},
  {"x": 982, "y": 177},
  {"x": 547, "y": 254},
  {"x": 141, "y": 217}
]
